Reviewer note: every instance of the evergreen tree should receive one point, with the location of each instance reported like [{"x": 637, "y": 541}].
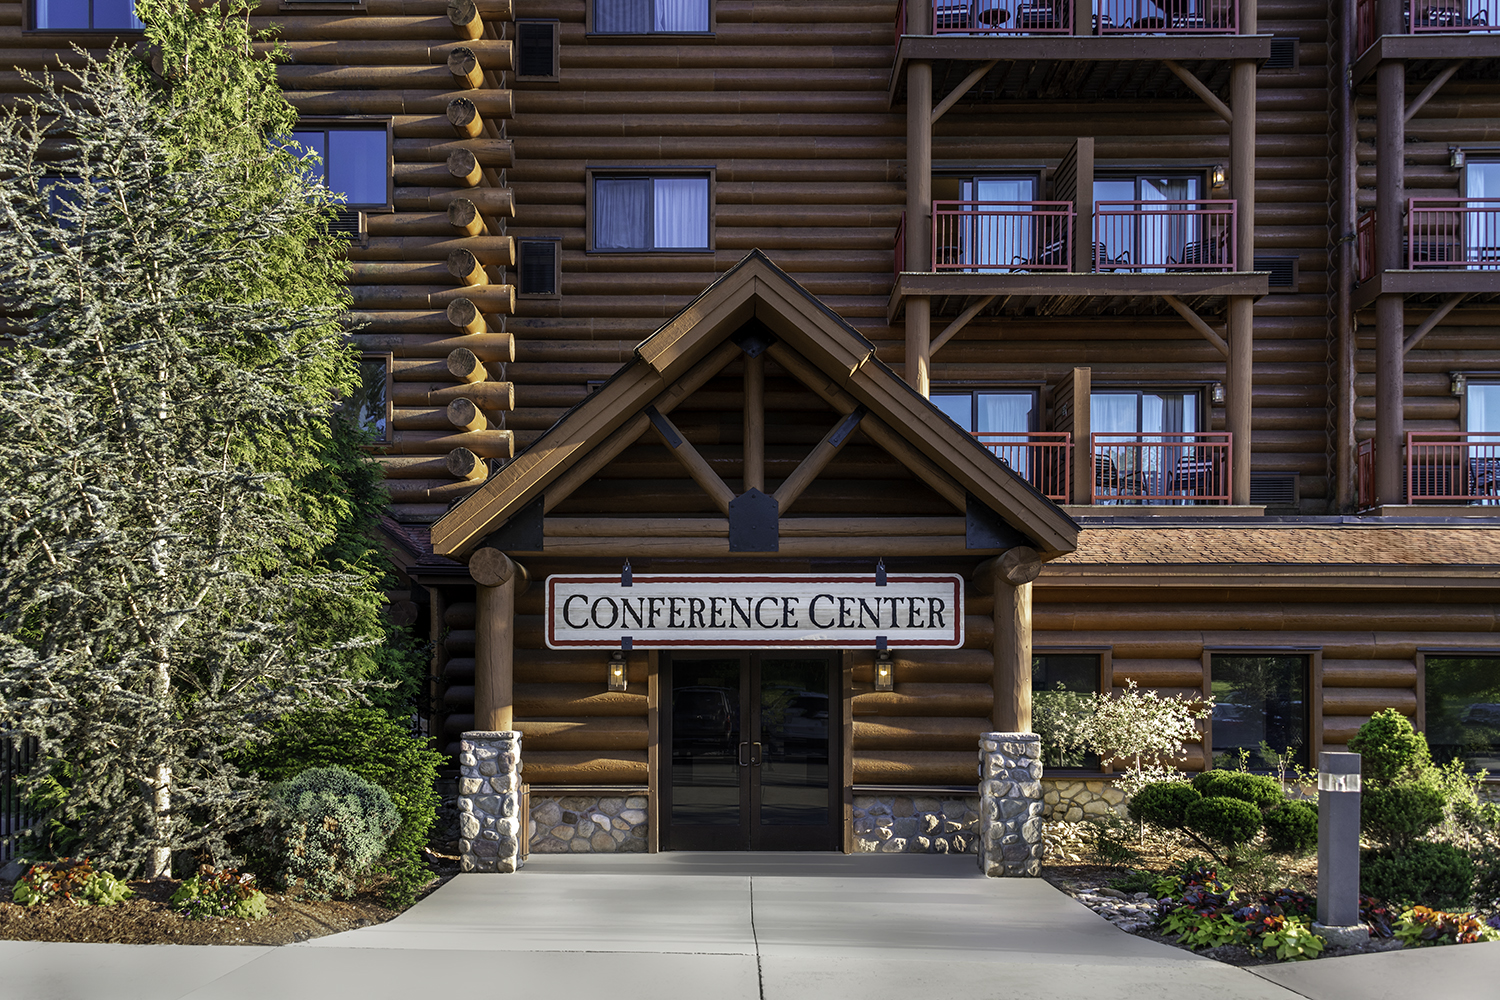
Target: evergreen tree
[{"x": 162, "y": 595}]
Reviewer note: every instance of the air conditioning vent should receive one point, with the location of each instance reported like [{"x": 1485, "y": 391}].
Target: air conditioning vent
[
  {"x": 1276, "y": 489},
  {"x": 348, "y": 223},
  {"x": 538, "y": 270},
  {"x": 1283, "y": 271},
  {"x": 1283, "y": 54},
  {"x": 536, "y": 49}
]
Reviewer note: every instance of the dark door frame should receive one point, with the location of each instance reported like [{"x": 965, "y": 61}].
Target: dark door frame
[{"x": 750, "y": 834}]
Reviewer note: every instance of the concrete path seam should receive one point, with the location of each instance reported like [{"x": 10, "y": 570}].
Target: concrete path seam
[{"x": 760, "y": 974}]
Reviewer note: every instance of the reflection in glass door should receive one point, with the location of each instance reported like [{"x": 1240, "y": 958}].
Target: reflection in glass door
[{"x": 754, "y": 753}]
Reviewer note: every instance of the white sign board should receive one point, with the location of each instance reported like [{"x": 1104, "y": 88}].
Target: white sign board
[{"x": 749, "y": 610}]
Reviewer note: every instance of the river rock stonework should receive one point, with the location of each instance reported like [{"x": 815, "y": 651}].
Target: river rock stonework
[
  {"x": 588, "y": 824},
  {"x": 915, "y": 824},
  {"x": 1010, "y": 805},
  {"x": 489, "y": 797},
  {"x": 1075, "y": 799}
]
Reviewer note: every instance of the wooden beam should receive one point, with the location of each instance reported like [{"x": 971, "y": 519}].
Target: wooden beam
[
  {"x": 1429, "y": 91},
  {"x": 1196, "y": 322},
  {"x": 755, "y": 423},
  {"x": 874, "y": 428},
  {"x": 696, "y": 465},
  {"x": 718, "y": 527},
  {"x": 958, "y": 324},
  {"x": 494, "y": 639},
  {"x": 1197, "y": 86},
  {"x": 816, "y": 461},
  {"x": 957, "y": 93},
  {"x": 1436, "y": 317},
  {"x": 1009, "y": 577}
]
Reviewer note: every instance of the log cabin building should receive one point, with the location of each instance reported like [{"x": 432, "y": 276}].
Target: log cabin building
[{"x": 1165, "y": 334}]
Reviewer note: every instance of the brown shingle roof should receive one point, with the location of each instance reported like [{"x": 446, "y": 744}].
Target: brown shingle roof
[{"x": 1323, "y": 545}]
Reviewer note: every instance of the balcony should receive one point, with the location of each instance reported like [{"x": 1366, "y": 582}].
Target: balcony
[
  {"x": 1168, "y": 468},
  {"x": 1451, "y": 247},
  {"x": 1022, "y": 257},
  {"x": 1056, "y": 17},
  {"x": 1453, "y": 467},
  {"x": 1440, "y": 32},
  {"x": 1042, "y": 458}
]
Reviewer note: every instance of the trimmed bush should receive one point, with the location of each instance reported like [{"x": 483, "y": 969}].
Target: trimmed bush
[
  {"x": 1231, "y": 822},
  {"x": 1436, "y": 875},
  {"x": 1390, "y": 749},
  {"x": 332, "y": 825},
  {"x": 1397, "y": 815},
  {"x": 1257, "y": 789},
  {"x": 1292, "y": 828},
  {"x": 1163, "y": 804}
]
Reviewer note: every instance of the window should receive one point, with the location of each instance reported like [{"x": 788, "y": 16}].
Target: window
[
  {"x": 642, "y": 17},
  {"x": 1062, "y": 683},
  {"x": 1149, "y": 234},
  {"x": 538, "y": 269},
  {"x": 1144, "y": 411},
  {"x": 651, "y": 213},
  {"x": 1482, "y": 407},
  {"x": 370, "y": 405},
  {"x": 1260, "y": 708},
  {"x": 1482, "y": 220},
  {"x": 989, "y": 224},
  {"x": 85, "y": 15},
  {"x": 355, "y": 160},
  {"x": 988, "y": 410},
  {"x": 536, "y": 50},
  {"x": 1463, "y": 710}
]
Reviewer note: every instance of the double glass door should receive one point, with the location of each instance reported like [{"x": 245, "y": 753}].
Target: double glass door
[{"x": 754, "y": 763}]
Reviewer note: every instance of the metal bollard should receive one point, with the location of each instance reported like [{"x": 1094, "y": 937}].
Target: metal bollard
[{"x": 1338, "y": 850}]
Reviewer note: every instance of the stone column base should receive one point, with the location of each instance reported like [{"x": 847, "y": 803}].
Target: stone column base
[
  {"x": 1010, "y": 805},
  {"x": 489, "y": 801},
  {"x": 1351, "y": 936}
]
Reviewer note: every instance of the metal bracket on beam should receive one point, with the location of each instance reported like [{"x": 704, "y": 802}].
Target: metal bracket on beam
[
  {"x": 753, "y": 338},
  {"x": 754, "y": 523},
  {"x": 664, "y": 427},
  {"x": 523, "y": 531},
  {"x": 984, "y": 529}
]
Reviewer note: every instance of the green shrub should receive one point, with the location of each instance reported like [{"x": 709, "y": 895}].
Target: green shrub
[
  {"x": 70, "y": 881},
  {"x": 1436, "y": 875},
  {"x": 1163, "y": 804},
  {"x": 1231, "y": 822},
  {"x": 220, "y": 893},
  {"x": 1292, "y": 827},
  {"x": 1390, "y": 749},
  {"x": 1259, "y": 790},
  {"x": 1399, "y": 814},
  {"x": 332, "y": 826},
  {"x": 379, "y": 749}
]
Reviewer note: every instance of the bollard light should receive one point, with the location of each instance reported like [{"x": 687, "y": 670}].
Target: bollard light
[
  {"x": 617, "y": 680},
  {"x": 1338, "y": 849}
]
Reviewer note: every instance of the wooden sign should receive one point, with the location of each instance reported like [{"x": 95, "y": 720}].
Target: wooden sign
[{"x": 743, "y": 610}]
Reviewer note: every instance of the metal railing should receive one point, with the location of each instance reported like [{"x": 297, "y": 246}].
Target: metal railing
[
  {"x": 1453, "y": 467},
  {"x": 1002, "y": 235},
  {"x": 1008, "y": 17},
  {"x": 1169, "y": 467},
  {"x": 1191, "y": 235},
  {"x": 1365, "y": 247},
  {"x": 1167, "y": 17},
  {"x": 1042, "y": 458},
  {"x": 1448, "y": 17},
  {"x": 1364, "y": 482},
  {"x": 16, "y": 759},
  {"x": 1453, "y": 233}
]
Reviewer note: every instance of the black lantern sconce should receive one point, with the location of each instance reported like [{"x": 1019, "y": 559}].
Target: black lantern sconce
[{"x": 617, "y": 664}]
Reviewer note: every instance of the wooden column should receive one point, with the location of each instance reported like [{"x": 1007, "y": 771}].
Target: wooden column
[
  {"x": 755, "y": 423},
  {"x": 1240, "y": 381},
  {"x": 918, "y": 219},
  {"x": 495, "y": 577},
  {"x": 1390, "y": 310},
  {"x": 1009, "y": 579}
]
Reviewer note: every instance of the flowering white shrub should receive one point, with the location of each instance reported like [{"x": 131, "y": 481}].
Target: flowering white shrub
[{"x": 1140, "y": 726}]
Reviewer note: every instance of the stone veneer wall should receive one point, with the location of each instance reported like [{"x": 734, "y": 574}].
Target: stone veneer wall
[
  {"x": 489, "y": 794},
  {"x": 891, "y": 823},
  {"x": 1010, "y": 805},
  {"x": 1075, "y": 799},
  {"x": 588, "y": 823}
]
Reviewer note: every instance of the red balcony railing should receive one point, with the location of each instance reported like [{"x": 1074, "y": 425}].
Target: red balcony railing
[
  {"x": 1365, "y": 474},
  {"x": 1010, "y": 17},
  {"x": 1172, "y": 467},
  {"x": 1450, "y": 17},
  {"x": 1042, "y": 458},
  {"x": 1364, "y": 16},
  {"x": 1453, "y": 233},
  {"x": 1167, "y": 17},
  {"x": 998, "y": 236},
  {"x": 1196, "y": 235},
  {"x": 1366, "y": 247},
  {"x": 1453, "y": 467}
]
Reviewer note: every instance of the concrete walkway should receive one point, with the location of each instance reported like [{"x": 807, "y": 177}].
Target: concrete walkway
[{"x": 736, "y": 927}]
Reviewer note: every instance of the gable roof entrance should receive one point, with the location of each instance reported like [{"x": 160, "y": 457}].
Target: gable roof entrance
[{"x": 757, "y": 307}]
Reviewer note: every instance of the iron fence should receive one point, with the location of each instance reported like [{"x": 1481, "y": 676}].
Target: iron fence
[
  {"x": 995, "y": 236},
  {"x": 1172, "y": 467},
  {"x": 1042, "y": 458}
]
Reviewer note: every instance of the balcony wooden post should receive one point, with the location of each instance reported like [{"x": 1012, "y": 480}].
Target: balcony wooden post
[
  {"x": 918, "y": 219},
  {"x": 495, "y": 576},
  {"x": 919, "y": 17},
  {"x": 1009, "y": 578},
  {"x": 1242, "y": 307},
  {"x": 1390, "y": 310}
]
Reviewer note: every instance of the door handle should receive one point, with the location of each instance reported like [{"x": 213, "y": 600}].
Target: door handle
[
  {"x": 744, "y": 755},
  {"x": 755, "y": 754}
]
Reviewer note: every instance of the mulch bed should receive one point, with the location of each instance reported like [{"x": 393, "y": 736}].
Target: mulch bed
[{"x": 146, "y": 918}]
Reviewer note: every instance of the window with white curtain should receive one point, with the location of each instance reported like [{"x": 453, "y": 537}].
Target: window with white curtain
[
  {"x": 85, "y": 15},
  {"x": 642, "y": 17},
  {"x": 651, "y": 213}
]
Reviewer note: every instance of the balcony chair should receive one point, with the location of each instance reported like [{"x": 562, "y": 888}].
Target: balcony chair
[
  {"x": 1445, "y": 16},
  {"x": 1211, "y": 250},
  {"x": 1484, "y": 479},
  {"x": 1052, "y": 255},
  {"x": 1195, "y": 477},
  {"x": 951, "y": 16},
  {"x": 1039, "y": 16}
]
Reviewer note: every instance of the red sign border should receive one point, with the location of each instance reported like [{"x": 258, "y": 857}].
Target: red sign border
[{"x": 552, "y": 642}]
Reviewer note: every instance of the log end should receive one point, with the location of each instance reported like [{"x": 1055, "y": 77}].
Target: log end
[
  {"x": 466, "y": 416},
  {"x": 464, "y": 464},
  {"x": 465, "y": 366},
  {"x": 491, "y": 567},
  {"x": 462, "y": 212},
  {"x": 464, "y": 266}
]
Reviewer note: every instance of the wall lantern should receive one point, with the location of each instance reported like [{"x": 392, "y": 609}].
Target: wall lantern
[
  {"x": 1457, "y": 383},
  {"x": 1456, "y": 158},
  {"x": 885, "y": 671},
  {"x": 617, "y": 681},
  {"x": 1218, "y": 176},
  {"x": 1216, "y": 393}
]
